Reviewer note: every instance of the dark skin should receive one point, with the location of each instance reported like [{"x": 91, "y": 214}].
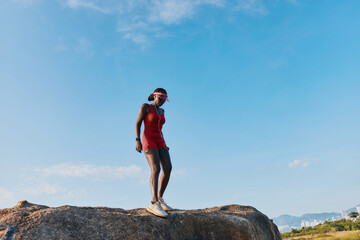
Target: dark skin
[{"x": 155, "y": 157}]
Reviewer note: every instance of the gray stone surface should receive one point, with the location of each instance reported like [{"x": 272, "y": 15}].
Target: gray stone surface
[{"x": 39, "y": 222}]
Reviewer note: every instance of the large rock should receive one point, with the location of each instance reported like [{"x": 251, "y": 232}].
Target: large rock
[{"x": 30, "y": 221}]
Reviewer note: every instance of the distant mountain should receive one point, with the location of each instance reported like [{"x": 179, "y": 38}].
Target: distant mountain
[
  {"x": 353, "y": 209},
  {"x": 286, "y": 222}
]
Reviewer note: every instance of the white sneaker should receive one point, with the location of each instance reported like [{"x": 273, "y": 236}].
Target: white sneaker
[
  {"x": 164, "y": 205},
  {"x": 156, "y": 209}
]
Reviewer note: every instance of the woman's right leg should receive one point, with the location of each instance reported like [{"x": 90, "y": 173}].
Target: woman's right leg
[{"x": 153, "y": 158}]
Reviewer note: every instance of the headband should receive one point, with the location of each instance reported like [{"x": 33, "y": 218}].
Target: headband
[{"x": 161, "y": 95}]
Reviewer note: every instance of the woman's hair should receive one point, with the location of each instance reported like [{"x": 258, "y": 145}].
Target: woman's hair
[{"x": 161, "y": 90}]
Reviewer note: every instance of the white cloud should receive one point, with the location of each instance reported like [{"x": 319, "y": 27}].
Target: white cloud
[
  {"x": 136, "y": 37},
  {"x": 283, "y": 228},
  {"x": 171, "y": 11},
  {"x": 6, "y": 194},
  {"x": 73, "y": 194},
  {"x": 252, "y": 7},
  {"x": 87, "y": 4},
  {"x": 91, "y": 171},
  {"x": 42, "y": 188},
  {"x": 301, "y": 163},
  {"x": 174, "y": 11},
  {"x": 142, "y": 20},
  {"x": 298, "y": 163},
  {"x": 181, "y": 173},
  {"x": 218, "y": 3},
  {"x": 45, "y": 188},
  {"x": 24, "y": 1},
  {"x": 125, "y": 27}
]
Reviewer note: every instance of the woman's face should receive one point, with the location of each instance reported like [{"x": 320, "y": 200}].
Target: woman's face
[{"x": 159, "y": 100}]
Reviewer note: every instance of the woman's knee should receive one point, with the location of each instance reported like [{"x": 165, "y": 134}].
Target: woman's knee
[
  {"x": 153, "y": 158},
  {"x": 155, "y": 171},
  {"x": 167, "y": 169}
]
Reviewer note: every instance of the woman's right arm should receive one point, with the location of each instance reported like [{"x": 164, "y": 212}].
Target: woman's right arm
[{"x": 141, "y": 116}]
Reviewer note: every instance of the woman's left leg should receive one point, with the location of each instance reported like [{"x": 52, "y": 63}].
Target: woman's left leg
[{"x": 166, "y": 170}]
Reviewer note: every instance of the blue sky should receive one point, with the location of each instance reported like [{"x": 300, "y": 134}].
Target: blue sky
[{"x": 263, "y": 111}]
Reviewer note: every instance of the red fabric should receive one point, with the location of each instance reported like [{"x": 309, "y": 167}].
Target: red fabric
[{"x": 152, "y": 137}]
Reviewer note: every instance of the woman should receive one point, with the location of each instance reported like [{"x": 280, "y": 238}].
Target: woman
[{"x": 155, "y": 149}]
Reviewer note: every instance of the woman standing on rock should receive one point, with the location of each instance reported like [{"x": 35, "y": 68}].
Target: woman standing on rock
[{"x": 155, "y": 149}]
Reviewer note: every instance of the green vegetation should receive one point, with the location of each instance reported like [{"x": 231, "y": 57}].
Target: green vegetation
[
  {"x": 354, "y": 236},
  {"x": 353, "y": 214},
  {"x": 340, "y": 225}
]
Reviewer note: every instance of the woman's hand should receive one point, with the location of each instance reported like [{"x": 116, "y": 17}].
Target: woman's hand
[{"x": 138, "y": 146}]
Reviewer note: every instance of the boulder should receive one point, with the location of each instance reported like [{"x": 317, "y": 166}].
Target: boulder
[{"x": 31, "y": 221}]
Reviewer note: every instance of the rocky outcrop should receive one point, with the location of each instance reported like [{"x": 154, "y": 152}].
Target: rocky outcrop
[{"x": 31, "y": 221}]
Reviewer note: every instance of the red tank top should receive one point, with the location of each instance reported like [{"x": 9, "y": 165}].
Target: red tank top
[{"x": 153, "y": 123}]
